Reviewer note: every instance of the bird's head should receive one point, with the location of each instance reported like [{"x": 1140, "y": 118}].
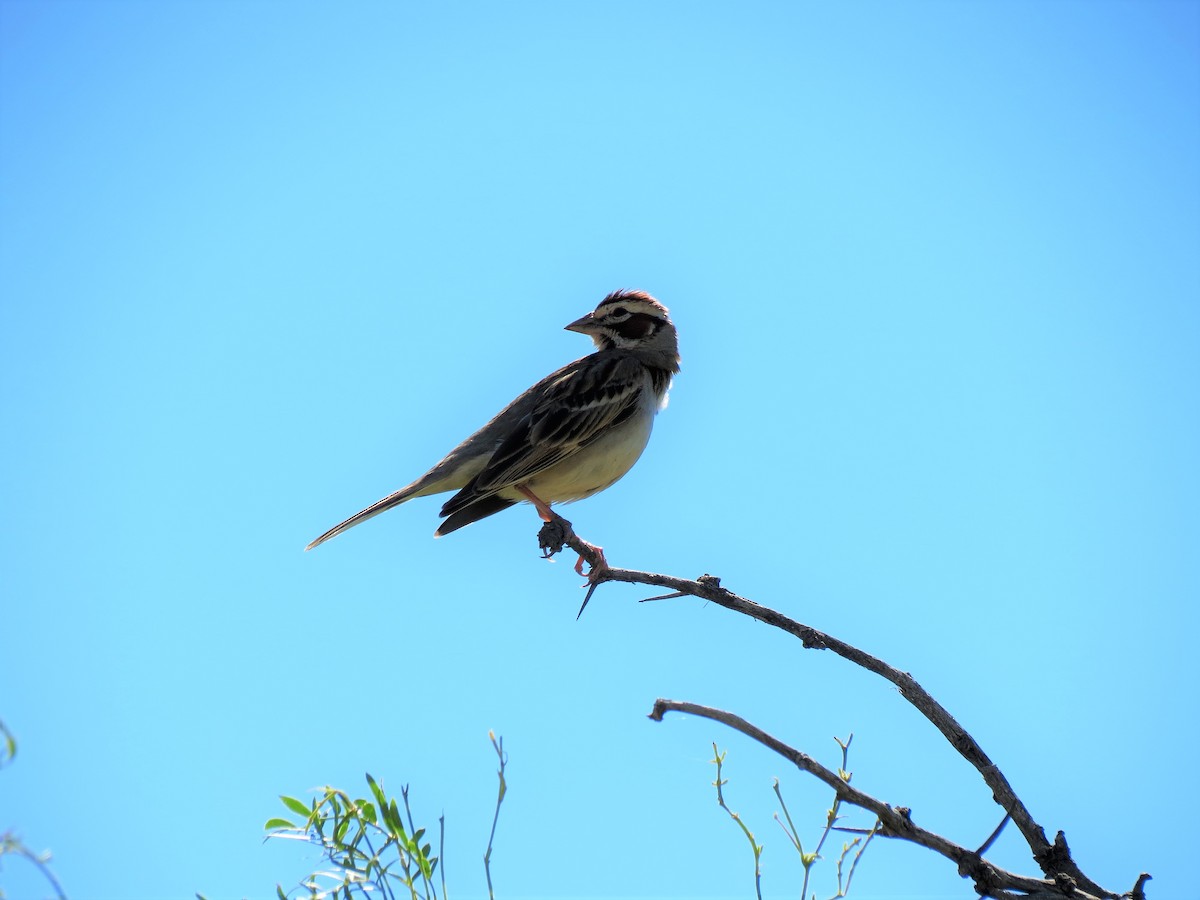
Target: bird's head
[{"x": 636, "y": 322}]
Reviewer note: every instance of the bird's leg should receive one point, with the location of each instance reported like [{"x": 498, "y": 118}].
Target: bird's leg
[
  {"x": 543, "y": 508},
  {"x": 546, "y": 515}
]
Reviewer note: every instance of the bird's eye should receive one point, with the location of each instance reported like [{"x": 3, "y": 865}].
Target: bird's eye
[{"x": 619, "y": 313}]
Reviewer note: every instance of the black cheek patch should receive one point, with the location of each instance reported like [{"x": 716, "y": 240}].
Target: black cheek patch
[{"x": 637, "y": 327}]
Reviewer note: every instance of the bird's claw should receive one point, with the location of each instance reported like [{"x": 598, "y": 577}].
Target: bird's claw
[
  {"x": 599, "y": 566},
  {"x": 552, "y": 537}
]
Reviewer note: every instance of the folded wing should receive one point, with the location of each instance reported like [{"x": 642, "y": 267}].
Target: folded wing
[{"x": 577, "y": 404}]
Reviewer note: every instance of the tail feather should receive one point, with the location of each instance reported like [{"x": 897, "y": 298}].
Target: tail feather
[
  {"x": 480, "y": 509},
  {"x": 370, "y": 512}
]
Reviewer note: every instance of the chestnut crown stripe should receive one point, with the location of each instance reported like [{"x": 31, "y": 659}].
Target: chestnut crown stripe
[{"x": 636, "y": 297}]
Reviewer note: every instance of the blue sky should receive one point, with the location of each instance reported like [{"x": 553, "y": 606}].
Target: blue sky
[{"x": 936, "y": 276}]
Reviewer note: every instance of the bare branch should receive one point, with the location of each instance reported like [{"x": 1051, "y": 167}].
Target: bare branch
[
  {"x": 1063, "y": 876},
  {"x": 896, "y": 821}
]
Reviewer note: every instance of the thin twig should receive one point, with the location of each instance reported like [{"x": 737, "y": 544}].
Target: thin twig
[
  {"x": 412, "y": 831},
  {"x": 719, "y": 758},
  {"x": 986, "y": 845},
  {"x": 498, "y": 744},
  {"x": 9, "y": 844},
  {"x": 857, "y": 856},
  {"x": 442, "y": 852}
]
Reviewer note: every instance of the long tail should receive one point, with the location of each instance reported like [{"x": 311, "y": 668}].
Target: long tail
[{"x": 405, "y": 493}]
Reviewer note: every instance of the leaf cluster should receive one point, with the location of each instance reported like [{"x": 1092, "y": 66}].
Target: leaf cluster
[{"x": 371, "y": 846}]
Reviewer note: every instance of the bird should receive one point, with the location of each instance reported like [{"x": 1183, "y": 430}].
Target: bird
[{"x": 573, "y": 434}]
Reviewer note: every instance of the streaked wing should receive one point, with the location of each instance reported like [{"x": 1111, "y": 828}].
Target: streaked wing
[{"x": 579, "y": 403}]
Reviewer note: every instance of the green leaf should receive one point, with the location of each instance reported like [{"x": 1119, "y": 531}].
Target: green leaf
[
  {"x": 333, "y": 798},
  {"x": 397, "y": 824},
  {"x": 277, "y": 823},
  {"x": 295, "y": 805},
  {"x": 377, "y": 791},
  {"x": 368, "y": 812},
  {"x": 10, "y": 745}
]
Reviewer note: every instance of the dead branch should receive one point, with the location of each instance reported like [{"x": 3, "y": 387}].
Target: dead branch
[
  {"x": 897, "y": 821},
  {"x": 1063, "y": 878}
]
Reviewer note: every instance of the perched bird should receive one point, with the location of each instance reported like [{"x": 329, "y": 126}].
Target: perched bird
[{"x": 571, "y": 435}]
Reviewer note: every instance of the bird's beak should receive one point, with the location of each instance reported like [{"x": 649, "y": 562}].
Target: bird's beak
[{"x": 584, "y": 324}]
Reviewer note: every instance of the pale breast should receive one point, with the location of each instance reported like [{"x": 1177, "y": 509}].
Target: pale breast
[{"x": 603, "y": 462}]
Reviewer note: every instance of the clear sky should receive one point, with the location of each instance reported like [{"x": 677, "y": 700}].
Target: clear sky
[{"x": 935, "y": 270}]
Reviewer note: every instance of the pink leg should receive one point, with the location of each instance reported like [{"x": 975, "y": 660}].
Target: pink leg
[{"x": 543, "y": 508}]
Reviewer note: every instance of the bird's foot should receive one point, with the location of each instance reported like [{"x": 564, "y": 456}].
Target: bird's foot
[
  {"x": 555, "y": 534},
  {"x": 598, "y": 565},
  {"x": 552, "y": 536}
]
